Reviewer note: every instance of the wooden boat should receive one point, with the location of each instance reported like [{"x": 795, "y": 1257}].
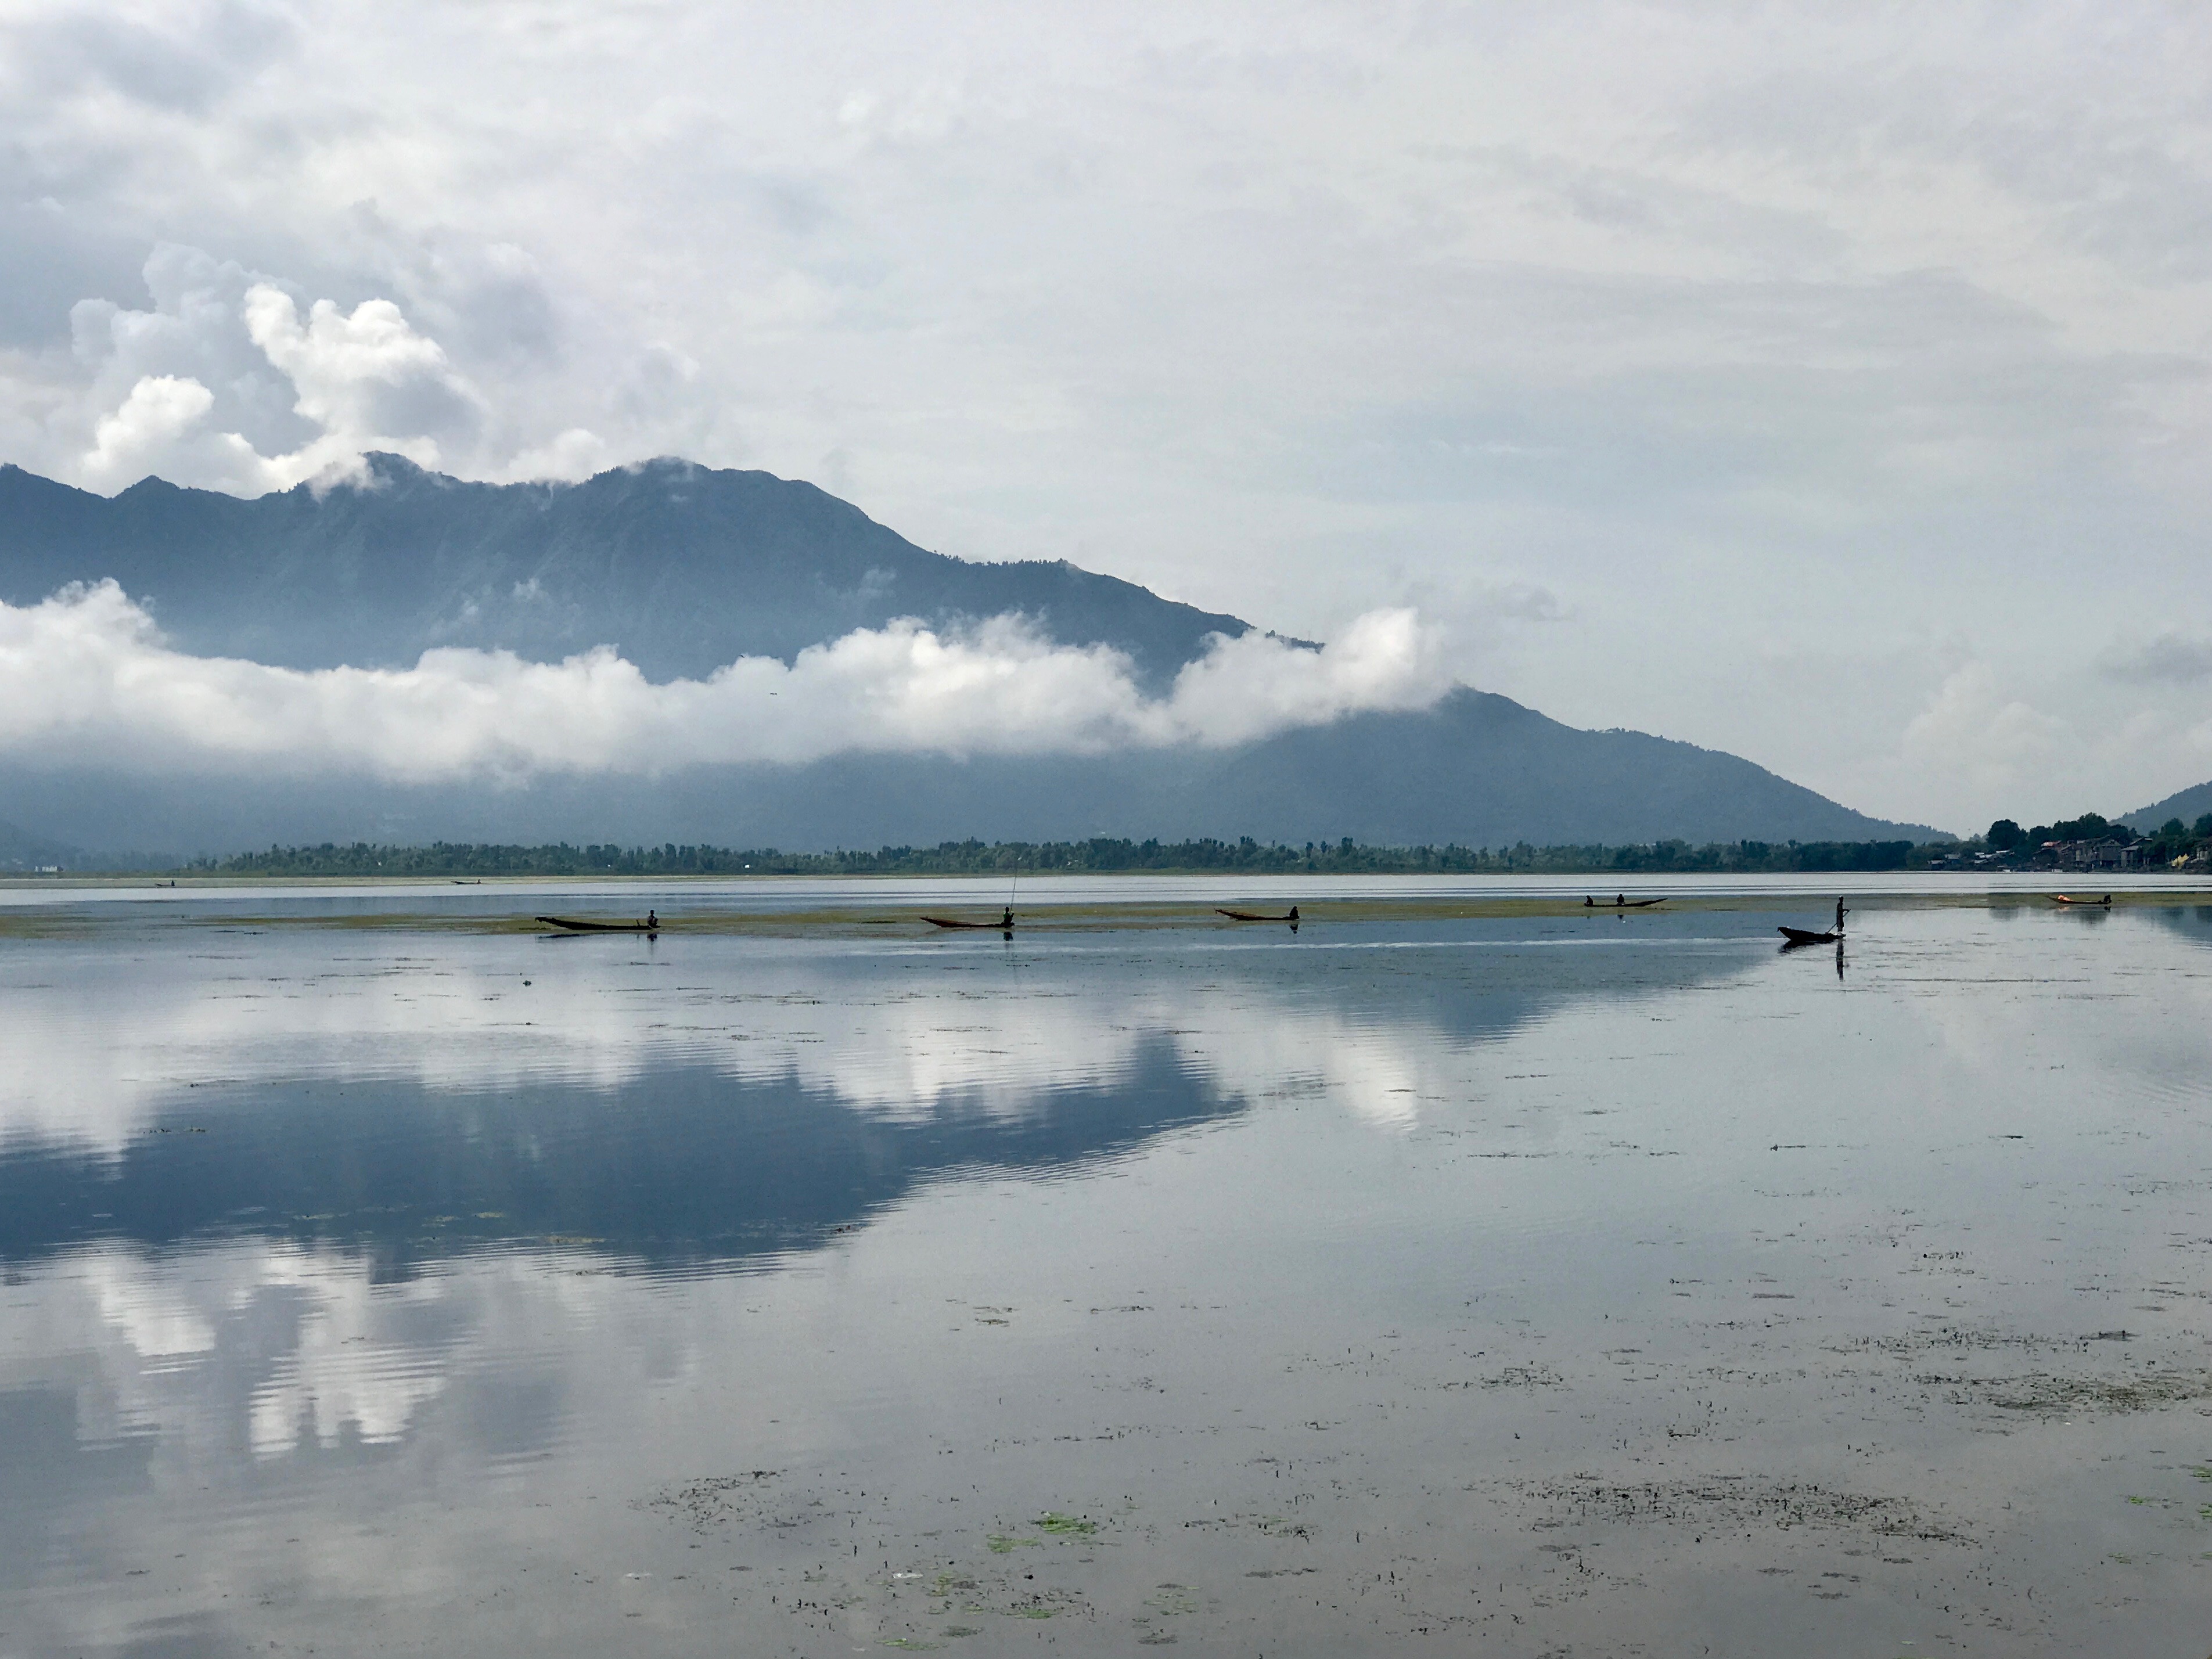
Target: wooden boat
[
  {"x": 569, "y": 925},
  {"x": 1806, "y": 936},
  {"x": 1590, "y": 903},
  {"x": 999, "y": 927},
  {"x": 2094, "y": 904},
  {"x": 1290, "y": 915}
]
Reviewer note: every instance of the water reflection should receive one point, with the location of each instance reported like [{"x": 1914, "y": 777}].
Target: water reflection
[
  {"x": 358, "y": 1293},
  {"x": 728, "y": 1101},
  {"x": 683, "y": 1163}
]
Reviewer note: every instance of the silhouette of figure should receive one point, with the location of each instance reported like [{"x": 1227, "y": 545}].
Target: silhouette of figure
[
  {"x": 1840, "y": 913},
  {"x": 652, "y": 921},
  {"x": 1621, "y": 901},
  {"x": 1006, "y": 921},
  {"x": 1589, "y": 903},
  {"x": 1293, "y": 917}
]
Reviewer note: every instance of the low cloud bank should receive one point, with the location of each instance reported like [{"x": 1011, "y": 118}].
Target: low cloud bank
[{"x": 86, "y": 678}]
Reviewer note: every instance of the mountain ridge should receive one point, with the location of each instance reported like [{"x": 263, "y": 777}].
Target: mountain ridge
[
  {"x": 2188, "y": 805},
  {"x": 683, "y": 568},
  {"x": 712, "y": 565}
]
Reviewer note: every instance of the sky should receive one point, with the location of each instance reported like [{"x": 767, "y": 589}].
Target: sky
[{"x": 1826, "y": 384}]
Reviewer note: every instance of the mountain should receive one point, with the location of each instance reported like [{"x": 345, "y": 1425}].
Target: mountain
[
  {"x": 687, "y": 568},
  {"x": 684, "y": 568},
  {"x": 1478, "y": 768},
  {"x": 20, "y": 852},
  {"x": 2188, "y": 805}
]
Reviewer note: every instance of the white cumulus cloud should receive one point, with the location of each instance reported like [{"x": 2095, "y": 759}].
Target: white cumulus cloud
[
  {"x": 367, "y": 378},
  {"x": 225, "y": 385},
  {"x": 160, "y": 410},
  {"x": 85, "y": 676}
]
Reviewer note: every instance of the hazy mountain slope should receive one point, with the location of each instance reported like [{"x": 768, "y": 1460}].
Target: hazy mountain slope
[
  {"x": 681, "y": 567},
  {"x": 2188, "y": 805},
  {"x": 21, "y": 851},
  {"x": 686, "y": 568},
  {"x": 1478, "y": 770}
]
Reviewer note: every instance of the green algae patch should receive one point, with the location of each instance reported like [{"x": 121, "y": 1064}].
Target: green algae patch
[{"x": 1066, "y": 1526}]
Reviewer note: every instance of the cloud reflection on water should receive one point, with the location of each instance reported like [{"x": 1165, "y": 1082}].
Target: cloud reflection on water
[{"x": 334, "y": 1307}]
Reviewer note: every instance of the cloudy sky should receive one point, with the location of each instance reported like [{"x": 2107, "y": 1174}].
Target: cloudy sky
[{"x": 1826, "y": 384}]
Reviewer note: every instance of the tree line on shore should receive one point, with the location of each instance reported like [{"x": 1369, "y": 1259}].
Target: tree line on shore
[{"x": 1099, "y": 855}]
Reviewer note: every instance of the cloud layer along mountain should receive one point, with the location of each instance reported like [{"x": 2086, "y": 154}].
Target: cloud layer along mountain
[{"x": 86, "y": 679}]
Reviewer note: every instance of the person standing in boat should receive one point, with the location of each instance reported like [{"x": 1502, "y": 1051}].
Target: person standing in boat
[
  {"x": 652, "y": 921},
  {"x": 1840, "y": 913},
  {"x": 1006, "y": 921}
]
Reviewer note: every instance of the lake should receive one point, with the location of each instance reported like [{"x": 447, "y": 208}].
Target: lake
[{"x": 1464, "y": 1272}]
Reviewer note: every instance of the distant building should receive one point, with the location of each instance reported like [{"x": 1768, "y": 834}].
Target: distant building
[{"x": 2105, "y": 854}]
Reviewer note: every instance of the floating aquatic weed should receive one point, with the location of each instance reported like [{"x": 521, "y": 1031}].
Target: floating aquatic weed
[
  {"x": 1525, "y": 1377},
  {"x": 1172, "y": 1598},
  {"x": 2051, "y": 1394},
  {"x": 1002, "y": 1543},
  {"x": 960, "y": 1630},
  {"x": 910, "y": 1643},
  {"x": 1734, "y": 1500},
  {"x": 1066, "y": 1526}
]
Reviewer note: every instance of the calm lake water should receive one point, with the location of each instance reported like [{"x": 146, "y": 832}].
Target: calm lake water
[{"x": 1519, "y": 1285}]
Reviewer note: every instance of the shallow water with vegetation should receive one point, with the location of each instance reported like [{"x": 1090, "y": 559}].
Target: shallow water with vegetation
[{"x": 1462, "y": 1273}]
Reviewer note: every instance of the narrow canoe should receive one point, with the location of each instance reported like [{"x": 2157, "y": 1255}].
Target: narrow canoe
[
  {"x": 983, "y": 927},
  {"x": 1292, "y": 915},
  {"x": 573, "y": 926},
  {"x": 2069, "y": 898},
  {"x": 1631, "y": 904},
  {"x": 1805, "y": 936}
]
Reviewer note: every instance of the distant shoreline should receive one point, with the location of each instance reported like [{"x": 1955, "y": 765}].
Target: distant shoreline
[{"x": 458, "y": 861}]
